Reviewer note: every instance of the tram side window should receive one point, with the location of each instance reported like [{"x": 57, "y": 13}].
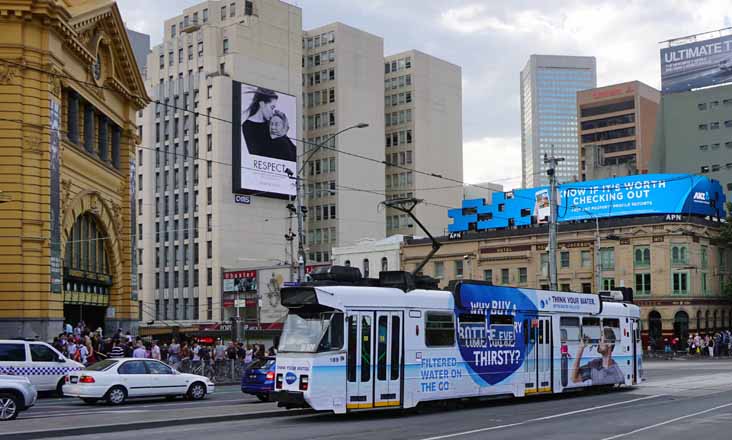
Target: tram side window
[
  {"x": 501, "y": 331},
  {"x": 333, "y": 337},
  {"x": 569, "y": 328},
  {"x": 591, "y": 329},
  {"x": 381, "y": 348},
  {"x": 395, "y": 348},
  {"x": 614, "y": 325},
  {"x": 439, "y": 329},
  {"x": 471, "y": 330}
]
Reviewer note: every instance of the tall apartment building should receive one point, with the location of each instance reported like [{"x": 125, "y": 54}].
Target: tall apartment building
[
  {"x": 549, "y": 86},
  {"x": 190, "y": 225},
  {"x": 342, "y": 83},
  {"x": 423, "y": 123},
  {"x": 617, "y": 126}
]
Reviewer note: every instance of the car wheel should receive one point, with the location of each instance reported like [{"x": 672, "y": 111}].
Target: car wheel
[
  {"x": 60, "y": 388},
  {"x": 264, "y": 397},
  {"x": 9, "y": 406},
  {"x": 197, "y": 391},
  {"x": 116, "y": 395},
  {"x": 90, "y": 400}
]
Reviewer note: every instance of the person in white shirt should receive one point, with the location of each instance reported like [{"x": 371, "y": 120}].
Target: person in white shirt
[
  {"x": 68, "y": 329},
  {"x": 195, "y": 351},
  {"x": 139, "y": 352},
  {"x": 83, "y": 353},
  {"x": 71, "y": 349},
  {"x": 155, "y": 351}
]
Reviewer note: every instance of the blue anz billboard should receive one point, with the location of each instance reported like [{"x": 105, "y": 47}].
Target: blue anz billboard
[{"x": 646, "y": 194}]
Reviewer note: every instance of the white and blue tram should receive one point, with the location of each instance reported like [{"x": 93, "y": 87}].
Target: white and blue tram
[{"x": 359, "y": 347}]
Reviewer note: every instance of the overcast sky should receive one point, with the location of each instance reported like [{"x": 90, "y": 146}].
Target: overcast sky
[{"x": 491, "y": 40}]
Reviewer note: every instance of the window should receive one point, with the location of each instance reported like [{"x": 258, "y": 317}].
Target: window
[
  {"x": 458, "y": 268},
  {"x": 544, "y": 264},
  {"x": 714, "y": 125},
  {"x": 642, "y": 256},
  {"x": 704, "y": 254},
  {"x": 702, "y": 106},
  {"x": 569, "y": 329},
  {"x": 608, "y": 283},
  {"x": 226, "y": 45},
  {"x": 439, "y": 268},
  {"x": 680, "y": 283},
  {"x": 591, "y": 329},
  {"x": 200, "y": 48},
  {"x": 209, "y": 195},
  {"x": 523, "y": 275},
  {"x": 232, "y": 9},
  {"x": 158, "y": 367},
  {"x": 607, "y": 258},
  {"x": 643, "y": 283},
  {"x": 704, "y": 284},
  {"x": 172, "y": 31},
  {"x": 248, "y": 7},
  {"x": 488, "y": 275},
  {"x": 679, "y": 254},
  {"x": 42, "y": 353},
  {"x": 504, "y": 276},
  {"x": 704, "y": 169},
  {"x": 564, "y": 257},
  {"x": 702, "y": 127},
  {"x": 586, "y": 260},
  {"x": 439, "y": 329},
  {"x": 132, "y": 367},
  {"x": 205, "y": 15},
  {"x": 564, "y": 288}
]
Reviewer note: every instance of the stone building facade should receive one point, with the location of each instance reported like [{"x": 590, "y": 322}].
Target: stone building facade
[
  {"x": 672, "y": 262},
  {"x": 69, "y": 90}
]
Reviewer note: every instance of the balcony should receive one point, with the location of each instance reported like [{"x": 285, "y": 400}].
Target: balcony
[{"x": 190, "y": 26}]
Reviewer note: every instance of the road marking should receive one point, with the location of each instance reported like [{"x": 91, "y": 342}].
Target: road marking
[
  {"x": 646, "y": 428},
  {"x": 554, "y": 416}
]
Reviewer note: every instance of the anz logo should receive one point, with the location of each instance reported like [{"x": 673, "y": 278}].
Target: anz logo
[{"x": 701, "y": 196}]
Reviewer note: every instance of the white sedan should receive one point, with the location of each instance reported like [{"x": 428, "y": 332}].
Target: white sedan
[{"x": 116, "y": 380}]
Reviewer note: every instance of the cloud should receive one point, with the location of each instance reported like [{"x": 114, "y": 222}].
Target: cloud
[{"x": 493, "y": 159}]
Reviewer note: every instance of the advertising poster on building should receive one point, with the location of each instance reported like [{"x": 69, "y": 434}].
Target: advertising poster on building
[
  {"x": 133, "y": 230},
  {"x": 240, "y": 281},
  {"x": 697, "y": 64},
  {"x": 55, "y": 176},
  {"x": 272, "y": 314},
  {"x": 264, "y": 151},
  {"x": 625, "y": 196}
]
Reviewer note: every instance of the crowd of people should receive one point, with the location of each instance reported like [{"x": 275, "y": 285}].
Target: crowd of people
[
  {"x": 709, "y": 345},
  {"x": 86, "y": 346}
]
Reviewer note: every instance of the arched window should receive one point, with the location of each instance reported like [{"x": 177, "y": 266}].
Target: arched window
[
  {"x": 365, "y": 267},
  {"x": 86, "y": 263},
  {"x": 647, "y": 254},
  {"x": 675, "y": 254},
  {"x": 384, "y": 264},
  {"x": 681, "y": 326},
  {"x": 639, "y": 254},
  {"x": 715, "y": 323},
  {"x": 698, "y": 320},
  {"x": 654, "y": 329}
]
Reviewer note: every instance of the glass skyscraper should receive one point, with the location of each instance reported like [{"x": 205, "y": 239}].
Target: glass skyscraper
[{"x": 549, "y": 86}]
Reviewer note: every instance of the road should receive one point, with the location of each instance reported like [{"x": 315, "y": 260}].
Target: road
[{"x": 681, "y": 400}]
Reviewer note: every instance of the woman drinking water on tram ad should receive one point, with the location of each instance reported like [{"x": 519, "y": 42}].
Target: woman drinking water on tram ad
[{"x": 599, "y": 371}]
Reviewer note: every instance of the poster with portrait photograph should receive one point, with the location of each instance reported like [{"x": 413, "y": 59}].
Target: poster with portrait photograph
[{"x": 264, "y": 132}]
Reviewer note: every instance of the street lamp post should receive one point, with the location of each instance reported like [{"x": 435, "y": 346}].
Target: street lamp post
[{"x": 300, "y": 208}]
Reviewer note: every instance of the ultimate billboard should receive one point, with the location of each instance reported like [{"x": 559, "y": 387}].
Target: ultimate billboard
[
  {"x": 645, "y": 194},
  {"x": 264, "y": 155},
  {"x": 698, "y": 64}
]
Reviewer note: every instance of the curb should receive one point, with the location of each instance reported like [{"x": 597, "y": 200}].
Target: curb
[{"x": 121, "y": 427}]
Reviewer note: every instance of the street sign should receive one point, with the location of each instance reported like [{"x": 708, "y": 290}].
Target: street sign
[{"x": 240, "y": 303}]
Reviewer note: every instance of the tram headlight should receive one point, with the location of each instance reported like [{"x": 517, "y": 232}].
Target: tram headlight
[
  {"x": 278, "y": 382},
  {"x": 303, "y": 383}
]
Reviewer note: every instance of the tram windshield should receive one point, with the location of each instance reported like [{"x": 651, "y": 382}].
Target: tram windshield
[{"x": 312, "y": 332}]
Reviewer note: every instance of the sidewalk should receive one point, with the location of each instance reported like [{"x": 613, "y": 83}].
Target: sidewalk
[{"x": 107, "y": 420}]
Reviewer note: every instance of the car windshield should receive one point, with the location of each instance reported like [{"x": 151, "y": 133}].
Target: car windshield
[
  {"x": 101, "y": 365},
  {"x": 310, "y": 332}
]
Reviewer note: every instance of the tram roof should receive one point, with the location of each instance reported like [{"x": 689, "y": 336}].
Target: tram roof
[{"x": 377, "y": 297}]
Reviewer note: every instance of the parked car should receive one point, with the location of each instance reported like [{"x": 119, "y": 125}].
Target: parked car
[
  {"x": 16, "y": 394},
  {"x": 259, "y": 378},
  {"x": 39, "y": 362},
  {"x": 116, "y": 380}
]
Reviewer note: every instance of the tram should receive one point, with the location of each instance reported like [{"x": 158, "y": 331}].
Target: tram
[{"x": 351, "y": 344}]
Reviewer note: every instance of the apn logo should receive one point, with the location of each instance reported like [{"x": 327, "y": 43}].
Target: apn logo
[
  {"x": 701, "y": 196},
  {"x": 290, "y": 377}
]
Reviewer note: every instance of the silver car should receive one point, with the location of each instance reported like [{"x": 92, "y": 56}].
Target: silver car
[{"x": 17, "y": 394}]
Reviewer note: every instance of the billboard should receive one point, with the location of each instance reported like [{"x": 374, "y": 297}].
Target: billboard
[
  {"x": 624, "y": 196},
  {"x": 264, "y": 154},
  {"x": 697, "y": 64},
  {"x": 240, "y": 281}
]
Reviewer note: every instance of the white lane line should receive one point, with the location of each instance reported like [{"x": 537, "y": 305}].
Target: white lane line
[
  {"x": 554, "y": 416},
  {"x": 646, "y": 428}
]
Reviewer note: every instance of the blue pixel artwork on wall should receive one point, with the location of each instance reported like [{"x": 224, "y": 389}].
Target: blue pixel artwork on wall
[{"x": 625, "y": 196}]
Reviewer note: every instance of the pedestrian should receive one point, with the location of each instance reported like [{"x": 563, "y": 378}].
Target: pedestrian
[
  {"x": 155, "y": 351},
  {"x": 174, "y": 353},
  {"x": 117, "y": 350},
  {"x": 249, "y": 355},
  {"x": 67, "y": 328},
  {"x": 139, "y": 352}
]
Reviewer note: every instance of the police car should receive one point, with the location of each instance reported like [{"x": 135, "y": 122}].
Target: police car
[{"x": 39, "y": 362}]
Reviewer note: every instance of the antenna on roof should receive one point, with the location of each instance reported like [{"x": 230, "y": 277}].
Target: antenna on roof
[{"x": 407, "y": 205}]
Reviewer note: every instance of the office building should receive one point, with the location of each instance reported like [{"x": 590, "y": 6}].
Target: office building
[
  {"x": 342, "y": 83},
  {"x": 549, "y": 86},
  {"x": 694, "y": 134},
  {"x": 423, "y": 122},
  {"x": 68, "y": 168},
  {"x": 617, "y": 127},
  {"x": 371, "y": 256},
  {"x": 483, "y": 191},
  {"x": 193, "y": 227}
]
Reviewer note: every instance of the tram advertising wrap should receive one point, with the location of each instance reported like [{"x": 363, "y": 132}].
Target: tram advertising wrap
[
  {"x": 633, "y": 195},
  {"x": 264, "y": 126}
]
